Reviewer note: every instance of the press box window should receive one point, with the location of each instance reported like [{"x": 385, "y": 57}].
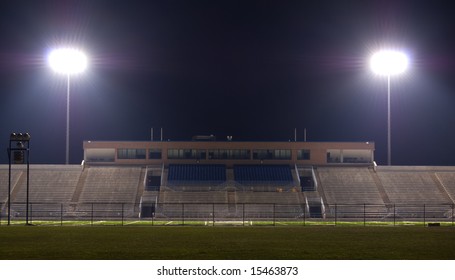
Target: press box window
[
  {"x": 303, "y": 154},
  {"x": 272, "y": 154},
  {"x": 154, "y": 153},
  {"x": 131, "y": 153}
]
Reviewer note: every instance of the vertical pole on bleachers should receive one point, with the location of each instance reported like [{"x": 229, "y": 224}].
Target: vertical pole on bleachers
[
  {"x": 364, "y": 215},
  {"x": 452, "y": 213}
]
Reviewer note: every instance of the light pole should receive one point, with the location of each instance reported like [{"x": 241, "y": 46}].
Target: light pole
[
  {"x": 67, "y": 61},
  {"x": 21, "y": 153},
  {"x": 388, "y": 63}
]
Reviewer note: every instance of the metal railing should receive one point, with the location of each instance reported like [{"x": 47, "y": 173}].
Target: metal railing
[{"x": 228, "y": 214}]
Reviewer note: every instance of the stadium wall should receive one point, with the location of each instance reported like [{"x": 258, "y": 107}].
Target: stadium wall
[{"x": 228, "y": 152}]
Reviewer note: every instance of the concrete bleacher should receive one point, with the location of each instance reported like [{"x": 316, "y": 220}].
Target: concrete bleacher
[
  {"x": 447, "y": 180},
  {"x": 348, "y": 189},
  {"x": 269, "y": 204},
  {"x": 193, "y": 204},
  {"x": 49, "y": 184},
  {"x": 415, "y": 191},
  {"x": 353, "y": 185},
  {"x": 113, "y": 191},
  {"x": 268, "y": 197},
  {"x": 411, "y": 186},
  {"x": 4, "y": 174},
  {"x": 193, "y": 197},
  {"x": 111, "y": 185}
]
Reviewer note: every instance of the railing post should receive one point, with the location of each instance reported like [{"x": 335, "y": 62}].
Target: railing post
[
  {"x": 394, "y": 213},
  {"x": 31, "y": 215},
  {"x": 91, "y": 218},
  {"x": 153, "y": 213},
  {"x": 364, "y": 215},
  {"x": 213, "y": 213},
  {"x": 336, "y": 213},
  {"x": 273, "y": 214},
  {"x": 122, "y": 212},
  {"x": 243, "y": 214},
  {"x": 304, "y": 214},
  {"x": 183, "y": 214},
  {"x": 61, "y": 214},
  {"x": 424, "y": 214}
]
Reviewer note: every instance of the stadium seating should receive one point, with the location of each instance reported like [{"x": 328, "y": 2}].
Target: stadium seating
[
  {"x": 411, "y": 187},
  {"x": 111, "y": 185},
  {"x": 50, "y": 185},
  {"x": 217, "y": 191},
  {"x": 262, "y": 173},
  {"x": 414, "y": 192},
  {"x": 197, "y": 173},
  {"x": 194, "y": 204},
  {"x": 347, "y": 189},
  {"x": 353, "y": 185},
  {"x": 15, "y": 174},
  {"x": 447, "y": 180}
]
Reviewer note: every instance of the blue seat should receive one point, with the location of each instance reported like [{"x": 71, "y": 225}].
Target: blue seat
[{"x": 197, "y": 172}]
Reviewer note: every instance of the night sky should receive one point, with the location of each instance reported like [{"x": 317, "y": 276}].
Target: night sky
[{"x": 251, "y": 69}]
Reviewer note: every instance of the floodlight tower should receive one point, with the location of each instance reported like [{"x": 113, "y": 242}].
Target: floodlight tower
[
  {"x": 67, "y": 61},
  {"x": 388, "y": 63}
]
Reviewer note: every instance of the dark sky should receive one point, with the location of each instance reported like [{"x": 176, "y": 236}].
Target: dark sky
[{"x": 251, "y": 69}]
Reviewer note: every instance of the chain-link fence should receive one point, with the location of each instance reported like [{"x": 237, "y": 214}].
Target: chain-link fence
[{"x": 227, "y": 214}]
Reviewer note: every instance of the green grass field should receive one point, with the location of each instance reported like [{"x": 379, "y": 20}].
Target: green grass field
[{"x": 180, "y": 243}]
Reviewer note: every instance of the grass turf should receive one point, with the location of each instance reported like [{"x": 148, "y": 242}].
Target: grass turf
[{"x": 179, "y": 243}]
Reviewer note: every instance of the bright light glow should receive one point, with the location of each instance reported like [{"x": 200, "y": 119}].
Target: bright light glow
[
  {"x": 67, "y": 61},
  {"x": 389, "y": 62}
]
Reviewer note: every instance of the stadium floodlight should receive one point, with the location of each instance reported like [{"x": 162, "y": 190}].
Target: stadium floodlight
[
  {"x": 67, "y": 61},
  {"x": 387, "y": 63}
]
